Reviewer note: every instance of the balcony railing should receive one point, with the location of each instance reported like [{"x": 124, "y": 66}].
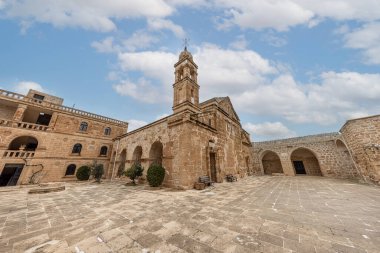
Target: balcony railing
[
  {"x": 19, "y": 97},
  {"x": 18, "y": 154},
  {"x": 25, "y": 125},
  {"x": 31, "y": 126}
]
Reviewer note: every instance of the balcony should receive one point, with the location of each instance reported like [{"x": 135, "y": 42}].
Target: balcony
[
  {"x": 48, "y": 105},
  {"x": 11, "y": 154},
  {"x": 24, "y": 125}
]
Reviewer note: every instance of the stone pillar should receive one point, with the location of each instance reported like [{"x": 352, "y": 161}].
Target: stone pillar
[
  {"x": 52, "y": 122},
  {"x": 19, "y": 114},
  {"x": 286, "y": 164}
]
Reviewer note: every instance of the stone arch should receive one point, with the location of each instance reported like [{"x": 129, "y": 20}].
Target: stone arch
[
  {"x": 305, "y": 161},
  {"x": 27, "y": 143},
  {"x": 156, "y": 153},
  {"x": 341, "y": 146},
  {"x": 271, "y": 162},
  {"x": 121, "y": 162},
  {"x": 137, "y": 154}
]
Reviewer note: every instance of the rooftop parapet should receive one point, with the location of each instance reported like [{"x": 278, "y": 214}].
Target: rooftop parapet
[{"x": 12, "y": 96}]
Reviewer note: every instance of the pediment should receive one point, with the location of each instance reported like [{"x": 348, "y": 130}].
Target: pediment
[{"x": 227, "y": 106}]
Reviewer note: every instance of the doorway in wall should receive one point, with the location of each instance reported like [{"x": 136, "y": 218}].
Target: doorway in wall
[
  {"x": 213, "y": 166},
  {"x": 299, "y": 167},
  {"x": 10, "y": 174}
]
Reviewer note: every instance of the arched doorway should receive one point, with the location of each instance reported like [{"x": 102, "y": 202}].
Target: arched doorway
[
  {"x": 137, "y": 154},
  {"x": 305, "y": 162},
  {"x": 26, "y": 143},
  {"x": 271, "y": 163},
  {"x": 155, "y": 153}
]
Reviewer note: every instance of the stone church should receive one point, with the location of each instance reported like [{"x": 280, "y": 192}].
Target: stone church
[
  {"x": 41, "y": 140},
  {"x": 197, "y": 139}
]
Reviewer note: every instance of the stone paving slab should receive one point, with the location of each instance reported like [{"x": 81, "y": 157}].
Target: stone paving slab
[{"x": 256, "y": 214}]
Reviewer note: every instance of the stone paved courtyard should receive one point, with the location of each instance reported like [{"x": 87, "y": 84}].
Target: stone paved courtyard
[{"x": 257, "y": 214}]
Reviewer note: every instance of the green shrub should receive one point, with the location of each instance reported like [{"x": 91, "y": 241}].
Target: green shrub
[
  {"x": 83, "y": 173},
  {"x": 134, "y": 172},
  {"x": 97, "y": 172},
  {"x": 155, "y": 175}
]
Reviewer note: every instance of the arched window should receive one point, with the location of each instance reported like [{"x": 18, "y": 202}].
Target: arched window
[
  {"x": 107, "y": 131},
  {"x": 103, "y": 151},
  {"x": 83, "y": 126},
  {"x": 70, "y": 170},
  {"x": 155, "y": 153},
  {"x": 77, "y": 148}
]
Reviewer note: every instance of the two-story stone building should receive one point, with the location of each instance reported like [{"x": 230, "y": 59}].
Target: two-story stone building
[{"x": 43, "y": 141}]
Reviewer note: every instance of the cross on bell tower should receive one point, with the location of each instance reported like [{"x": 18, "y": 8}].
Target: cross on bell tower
[{"x": 186, "y": 88}]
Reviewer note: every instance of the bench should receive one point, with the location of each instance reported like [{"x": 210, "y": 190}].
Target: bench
[
  {"x": 206, "y": 180},
  {"x": 231, "y": 178}
]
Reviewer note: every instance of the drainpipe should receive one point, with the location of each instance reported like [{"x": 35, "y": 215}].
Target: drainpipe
[{"x": 114, "y": 161}]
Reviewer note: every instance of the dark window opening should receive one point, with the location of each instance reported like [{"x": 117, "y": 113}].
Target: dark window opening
[
  {"x": 299, "y": 167},
  {"x": 38, "y": 96},
  {"x": 107, "y": 131},
  {"x": 103, "y": 151},
  {"x": 77, "y": 148},
  {"x": 70, "y": 170},
  {"x": 83, "y": 126},
  {"x": 43, "y": 119}
]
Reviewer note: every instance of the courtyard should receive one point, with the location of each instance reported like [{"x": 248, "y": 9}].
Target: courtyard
[{"x": 255, "y": 214}]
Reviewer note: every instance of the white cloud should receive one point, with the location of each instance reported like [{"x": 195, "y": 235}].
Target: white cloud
[
  {"x": 134, "y": 124},
  {"x": 142, "y": 90},
  {"x": 269, "y": 130},
  {"x": 363, "y": 10},
  {"x": 92, "y": 15},
  {"x": 190, "y": 3},
  {"x": 336, "y": 97},
  {"x": 366, "y": 38},
  {"x": 139, "y": 40},
  {"x": 274, "y": 40},
  {"x": 224, "y": 71},
  {"x": 24, "y": 86},
  {"x": 105, "y": 46},
  {"x": 157, "y": 24},
  {"x": 258, "y": 14},
  {"x": 240, "y": 43}
]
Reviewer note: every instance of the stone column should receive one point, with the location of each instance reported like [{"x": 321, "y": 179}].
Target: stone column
[
  {"x": 52, "y": 121},
  {"x": 19, "y": 114},
  {"x": 286, "y": 164}
]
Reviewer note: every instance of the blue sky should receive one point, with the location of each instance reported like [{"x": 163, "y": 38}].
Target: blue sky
[{"x": 291, "y": 68}]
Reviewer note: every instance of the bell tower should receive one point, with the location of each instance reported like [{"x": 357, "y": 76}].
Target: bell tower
[{"x": 186, "y": 88}]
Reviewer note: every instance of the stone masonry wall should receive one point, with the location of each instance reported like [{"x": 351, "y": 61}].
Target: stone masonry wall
[
  {"x": 332, "y": 160},
  {"x": 7, "y": 112},
  {"x": 363, "y": 139},
  {"x": 54, "y": 151}
]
